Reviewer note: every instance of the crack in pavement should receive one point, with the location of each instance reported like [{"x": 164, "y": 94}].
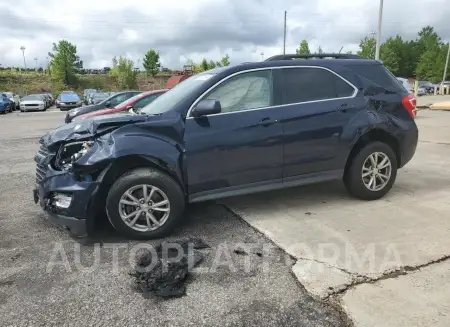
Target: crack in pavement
[{"x": 402, "y": 271}]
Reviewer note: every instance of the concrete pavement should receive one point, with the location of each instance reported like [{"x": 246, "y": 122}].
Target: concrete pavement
[{"x": 342, "y": 244}]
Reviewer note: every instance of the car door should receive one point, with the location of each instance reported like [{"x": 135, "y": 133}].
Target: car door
[
  {"x": 317, "y": 106},
  {"x": 240, "y": 148}
]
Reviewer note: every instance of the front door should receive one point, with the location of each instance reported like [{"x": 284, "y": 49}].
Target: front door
[{"x": 239, "y": 148}]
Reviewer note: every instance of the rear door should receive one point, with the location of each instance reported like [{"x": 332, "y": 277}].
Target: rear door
[
  {"x": 241, "y": 147},
  {"x": 318, "y": 104}
]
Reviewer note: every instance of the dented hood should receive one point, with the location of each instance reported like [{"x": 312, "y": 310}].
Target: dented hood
[{"x": 88, "y": 128}]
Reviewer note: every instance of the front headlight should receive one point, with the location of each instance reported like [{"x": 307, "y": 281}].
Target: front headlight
[{"x": 71, "y": 152}]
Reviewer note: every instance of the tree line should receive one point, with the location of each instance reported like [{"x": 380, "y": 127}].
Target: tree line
[
  {"x": 65, "y": 64},
  {"x": 422, "y": 58}
]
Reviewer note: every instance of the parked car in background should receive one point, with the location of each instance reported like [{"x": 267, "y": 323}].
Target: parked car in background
[
  {"x": 57, "y": 100},
  {"x": 110, "y": 102},
  {"x": 69, "y": 101},
  {"x": 135, "y": 103},
  {"x": 86, "y": 94},
  {"x": 14, "y": 98},
  {"x": 428, "y": 87},
  {"x": 5, "y": 103},
  {"x": 52, "y": 98},
  {"x": 33, "y": 102},
  {"x": 421, "y": 91},
  {"x": 48, "y": 100},
  {"x": 98, "y": 97},
  {"x": 230, "y": 131}
]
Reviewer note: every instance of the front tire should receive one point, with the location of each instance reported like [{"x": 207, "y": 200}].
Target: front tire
[
  {"x": 372, "y": 172},
  {"x": 145, "y": 203}
]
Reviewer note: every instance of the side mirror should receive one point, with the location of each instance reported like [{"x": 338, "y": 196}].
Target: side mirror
[
  {"x": 131, "y": 110},
  {"x": 108, "y": 104},
  {"x": 206, "y": 107}
]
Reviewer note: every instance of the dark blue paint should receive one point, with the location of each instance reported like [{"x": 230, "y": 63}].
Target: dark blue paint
[{"x": 231, "y": 153}]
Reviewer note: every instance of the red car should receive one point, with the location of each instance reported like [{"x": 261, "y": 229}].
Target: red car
[{"x": 137, "y": 102}]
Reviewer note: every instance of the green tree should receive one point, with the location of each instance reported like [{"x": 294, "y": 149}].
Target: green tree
[
  {"x": 204, "y": 65},
  {"x": 151, "y": 63},
  {"x": 367, "y": 48},
  {"x": 304, "y": 48},
  {"x": 212, "y": 64},
  {"x": 122, "y": 70},
  {"x": 64, "y": 62},
  {"x": 225, "y": 61},
  {"x": 349, "y": 52}
]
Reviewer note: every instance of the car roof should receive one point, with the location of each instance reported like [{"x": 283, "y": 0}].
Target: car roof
[{"x": 272, "y": 63}]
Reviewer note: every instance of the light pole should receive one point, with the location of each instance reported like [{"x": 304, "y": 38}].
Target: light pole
[
  {"x": 23, "y": 54},
  {"x": 380, "y": 21},
  {"x": 36, "y": 60},
  {"x": 262, "y": 56},
  {"x": 446, "y": 64}
]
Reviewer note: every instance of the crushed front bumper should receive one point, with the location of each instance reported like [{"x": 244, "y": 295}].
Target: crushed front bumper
[{"x": 76, "y": 217}]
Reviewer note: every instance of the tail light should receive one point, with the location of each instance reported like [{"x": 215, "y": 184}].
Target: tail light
[{"x": 409, "y": 102}]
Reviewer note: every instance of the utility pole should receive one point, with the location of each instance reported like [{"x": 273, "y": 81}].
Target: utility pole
[
  {"x": 36, "y": 60},
  {"x": 284, "y": 43},
  {"x": 23, "y": 54},
  {"x": 446, "y": 64},
  {"x": 262, "y": 56},
  {"x": 380, "y": 21}
]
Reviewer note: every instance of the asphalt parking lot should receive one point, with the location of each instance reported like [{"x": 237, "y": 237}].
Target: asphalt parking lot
[
  {"x": 37, "y": 289},
  {"x": 381, "y": 263}
]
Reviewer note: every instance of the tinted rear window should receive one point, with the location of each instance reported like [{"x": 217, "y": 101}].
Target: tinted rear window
[
  {"x": 378, "y": 75},
  {"x": 313, "y": 84}
]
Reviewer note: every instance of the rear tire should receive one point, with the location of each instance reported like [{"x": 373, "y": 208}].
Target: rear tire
[
  {"x": 152, "y": 216},
  {"x": 372, "y": 172}
]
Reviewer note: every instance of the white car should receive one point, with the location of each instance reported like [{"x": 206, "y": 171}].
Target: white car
[
  {"x": 32, "y": 102},
  {"x": 14, "y": 98}
]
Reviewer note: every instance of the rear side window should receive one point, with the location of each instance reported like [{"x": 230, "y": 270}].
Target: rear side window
[
  {"x": 379, "y": 76},
  {"x": 313, "y": 84}
]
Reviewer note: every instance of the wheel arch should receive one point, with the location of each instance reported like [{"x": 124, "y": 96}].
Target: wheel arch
[
  {"x": 374, "y": 135},
  {"x": 120, "y": 166}
]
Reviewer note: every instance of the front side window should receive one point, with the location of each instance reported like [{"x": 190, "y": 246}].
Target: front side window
[
  {"x": 313, "y": 84},
  {"x": 245, "y": 91}
]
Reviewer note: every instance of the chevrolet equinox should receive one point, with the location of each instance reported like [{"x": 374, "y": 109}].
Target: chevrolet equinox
[{"x": 289, "y": 120}]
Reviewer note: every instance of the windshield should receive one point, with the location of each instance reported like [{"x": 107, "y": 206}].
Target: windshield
[
  {"x": 31, "y": 97},
  {"x": 170, "y": 99},
  {"x": 69, "y": 97}
]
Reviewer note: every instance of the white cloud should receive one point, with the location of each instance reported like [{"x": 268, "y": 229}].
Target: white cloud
[{"x": 202, "y": 28}]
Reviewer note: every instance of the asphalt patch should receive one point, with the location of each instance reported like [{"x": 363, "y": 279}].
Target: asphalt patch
[{"x": 162, "y": 270}]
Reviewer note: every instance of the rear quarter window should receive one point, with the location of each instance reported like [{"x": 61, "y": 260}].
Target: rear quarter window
[{"x": 378, "y": 75}]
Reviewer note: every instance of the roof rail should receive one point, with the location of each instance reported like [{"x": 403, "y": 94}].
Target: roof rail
[{"x": 314, "y": 56}]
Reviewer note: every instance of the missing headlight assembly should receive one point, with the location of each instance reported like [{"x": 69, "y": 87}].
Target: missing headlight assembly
[{"x": 71, "y": 152}]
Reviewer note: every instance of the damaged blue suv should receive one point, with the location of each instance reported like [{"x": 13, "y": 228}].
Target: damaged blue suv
[{"x": 287, "y": 121}]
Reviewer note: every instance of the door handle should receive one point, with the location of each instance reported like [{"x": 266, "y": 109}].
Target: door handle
[{"x": 267, "y": 121}]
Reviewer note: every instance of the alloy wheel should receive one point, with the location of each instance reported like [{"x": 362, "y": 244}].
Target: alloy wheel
[
  {"x": 144, "y": 208},
  {"x": 376, "y": 171}
]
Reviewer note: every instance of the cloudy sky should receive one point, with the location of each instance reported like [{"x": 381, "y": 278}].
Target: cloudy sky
[{"x": 182, "y": 29}]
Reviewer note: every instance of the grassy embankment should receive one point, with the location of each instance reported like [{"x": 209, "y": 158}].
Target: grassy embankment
[{"x": 34, "y": 82}]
